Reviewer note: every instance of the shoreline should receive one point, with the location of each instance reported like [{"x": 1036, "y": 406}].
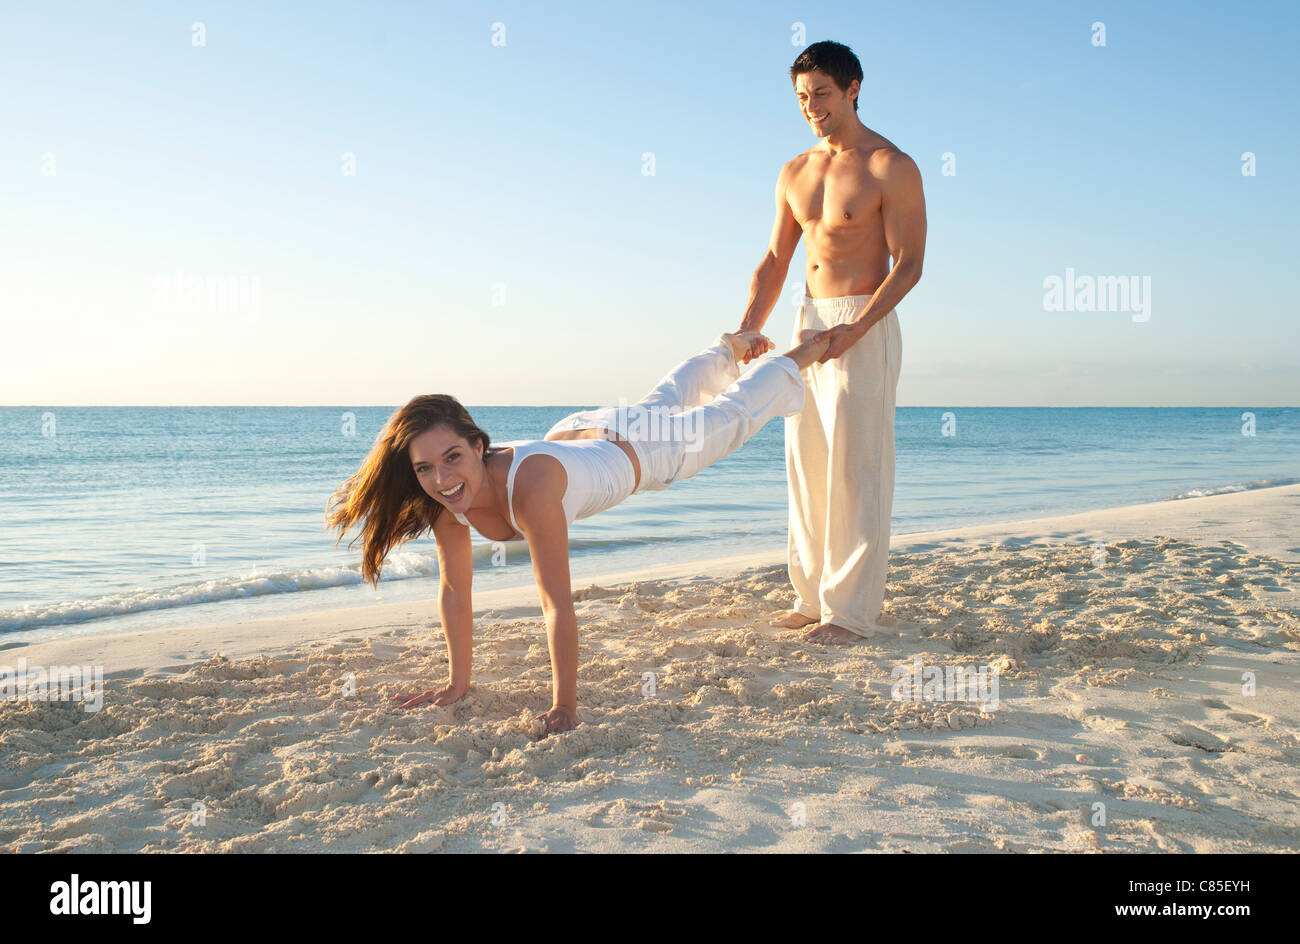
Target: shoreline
[
  {"x": 1260, "y": 516},
  {"x": 240, "y": 598}
]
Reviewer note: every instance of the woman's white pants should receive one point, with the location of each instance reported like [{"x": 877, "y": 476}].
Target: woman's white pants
[{"x": 702, "y": 410}]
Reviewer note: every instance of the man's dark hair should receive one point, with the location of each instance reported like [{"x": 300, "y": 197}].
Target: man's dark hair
[{"x": 836, "y": 60}]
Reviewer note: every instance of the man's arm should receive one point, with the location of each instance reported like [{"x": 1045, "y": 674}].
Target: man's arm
[
  {"x": 769, "y": 277},
  {"x": 902, "y": 210}
]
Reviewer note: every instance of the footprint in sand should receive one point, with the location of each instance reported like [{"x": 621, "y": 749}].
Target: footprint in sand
[
  {"x": 649, "y": 817},
  {"x": 1235, "y": 714}
]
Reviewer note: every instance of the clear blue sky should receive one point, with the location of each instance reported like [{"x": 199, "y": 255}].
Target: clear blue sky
[{"x": 521, "y": 165}]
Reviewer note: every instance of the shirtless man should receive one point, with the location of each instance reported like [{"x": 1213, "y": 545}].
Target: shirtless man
[{"x": 857, "y": 201}]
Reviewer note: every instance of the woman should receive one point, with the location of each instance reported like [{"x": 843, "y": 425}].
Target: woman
[{"x": 431, "y": 458}]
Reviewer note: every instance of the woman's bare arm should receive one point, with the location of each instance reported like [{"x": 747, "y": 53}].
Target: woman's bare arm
[
  {"x": 540, "y": 513},
  {"x": 456, "y": 607}
]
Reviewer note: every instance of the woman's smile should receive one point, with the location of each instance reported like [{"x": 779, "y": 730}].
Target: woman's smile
[{"x": 453, "y": 495}]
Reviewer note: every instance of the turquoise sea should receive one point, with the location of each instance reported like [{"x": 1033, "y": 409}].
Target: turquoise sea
[{"x": 118, "y": 519}]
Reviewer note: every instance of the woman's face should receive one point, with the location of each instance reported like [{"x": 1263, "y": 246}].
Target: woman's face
[{"x": 448, "y": 468}]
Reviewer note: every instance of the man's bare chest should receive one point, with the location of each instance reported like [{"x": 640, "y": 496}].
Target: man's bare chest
[{"x": 839, "y": 196}]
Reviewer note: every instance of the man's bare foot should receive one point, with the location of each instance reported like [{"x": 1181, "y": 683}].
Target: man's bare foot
[
  {"x": 556, "y": 720},
  {"x": 746, "y": 345},
  {"x": 829, "y": 632},
  {"x": 792, "y": 620},
  {"x": 809, "y": 350}
]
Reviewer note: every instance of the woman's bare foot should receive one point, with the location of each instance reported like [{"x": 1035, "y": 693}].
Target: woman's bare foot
[
  {"x": 791, "y": 620},
  {"x": 809, "y": 350},
  {"x": 746, "y": 345}
]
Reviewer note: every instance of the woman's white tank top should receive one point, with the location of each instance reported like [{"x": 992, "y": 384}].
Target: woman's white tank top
[{"x": 600, "y": 475}]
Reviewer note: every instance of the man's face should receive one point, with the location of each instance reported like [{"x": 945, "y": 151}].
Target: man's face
[{"x": 823, "y": 105}]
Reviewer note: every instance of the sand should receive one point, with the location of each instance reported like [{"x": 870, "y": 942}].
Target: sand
[{"x": 1119, "y": 693}]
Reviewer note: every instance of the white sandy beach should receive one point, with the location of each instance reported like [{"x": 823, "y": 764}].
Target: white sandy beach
[{"x": 1119, "y": 685}]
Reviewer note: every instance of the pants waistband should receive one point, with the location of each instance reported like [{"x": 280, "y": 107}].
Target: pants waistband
[{"x": 839, "y": 303}]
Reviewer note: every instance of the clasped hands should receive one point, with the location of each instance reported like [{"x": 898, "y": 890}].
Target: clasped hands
[{"x": 841, "y": 338}]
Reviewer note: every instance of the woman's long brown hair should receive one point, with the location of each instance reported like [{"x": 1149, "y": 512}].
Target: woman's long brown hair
[{"x": 385, "y": 492}]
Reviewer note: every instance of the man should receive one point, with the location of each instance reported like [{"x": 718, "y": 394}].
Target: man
[{"x": 858, "y": 201}]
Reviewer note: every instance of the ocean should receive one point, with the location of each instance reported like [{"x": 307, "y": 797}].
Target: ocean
[{"x": 117, "y": 519}]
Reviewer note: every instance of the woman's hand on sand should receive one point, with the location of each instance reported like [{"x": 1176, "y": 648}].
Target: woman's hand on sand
[
  {"x": 435, "y": 696},
  {"x": 559, "y": 718}
]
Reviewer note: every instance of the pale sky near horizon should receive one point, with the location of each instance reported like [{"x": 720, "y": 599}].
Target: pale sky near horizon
[{"x": 500, "y": 241}]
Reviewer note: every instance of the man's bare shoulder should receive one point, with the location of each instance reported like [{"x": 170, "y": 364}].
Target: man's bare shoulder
[
  {"x": 791, "y": 170},
  {"x": 796, "y": 163},
  {"x": 787, "y": 172},
  {"x": 813, "y": 153},
  {"x": 887, "y": 162}
]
